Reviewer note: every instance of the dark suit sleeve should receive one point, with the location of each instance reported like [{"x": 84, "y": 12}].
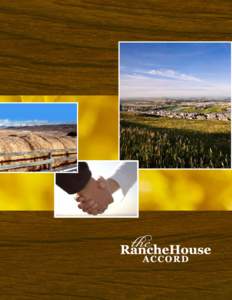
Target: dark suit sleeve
[{"x": 74, "y": 182}]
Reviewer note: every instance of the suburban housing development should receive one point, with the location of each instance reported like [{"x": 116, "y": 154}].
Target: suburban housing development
[{"x": 180, "y": 109}]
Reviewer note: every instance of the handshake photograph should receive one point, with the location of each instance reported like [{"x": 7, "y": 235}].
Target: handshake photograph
[{"x": 99, "y": 189}]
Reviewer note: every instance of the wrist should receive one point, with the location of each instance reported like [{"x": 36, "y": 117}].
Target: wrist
[
  {"x": 88, "y": 185},
  {"x": 113, "y": 185}
]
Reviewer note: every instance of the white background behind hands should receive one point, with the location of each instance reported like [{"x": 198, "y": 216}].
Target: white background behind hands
[{"x": 66, "y": 206}]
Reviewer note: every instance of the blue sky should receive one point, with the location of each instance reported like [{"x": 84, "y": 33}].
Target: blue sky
[
  {"x": 175, "y": 69},
  {"x": 21, "y": 114}
]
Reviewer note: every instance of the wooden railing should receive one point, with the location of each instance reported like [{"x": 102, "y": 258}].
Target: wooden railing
[{"x": 45, "y": 157}]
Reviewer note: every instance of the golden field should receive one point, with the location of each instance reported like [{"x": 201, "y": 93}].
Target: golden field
[{"x": 23, "y": 140}]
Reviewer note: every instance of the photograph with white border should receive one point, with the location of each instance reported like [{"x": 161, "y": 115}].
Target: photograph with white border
[
  {"x": 38, "y": 137},
  {"x": 100, "y": 189},
  {"x": 175, "y": 104}
]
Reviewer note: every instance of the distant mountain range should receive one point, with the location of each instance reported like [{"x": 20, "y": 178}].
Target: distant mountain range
[
  {"x": 37, "y": 127},
  {"x": 66, "y": 128}
]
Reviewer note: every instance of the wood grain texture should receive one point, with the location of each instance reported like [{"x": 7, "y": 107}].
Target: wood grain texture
[
  {"x": 70, "y": 46},
  {"x": 42, "y": 257}
]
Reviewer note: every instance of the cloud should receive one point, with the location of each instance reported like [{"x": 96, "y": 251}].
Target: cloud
[
  {"x": 10, "y": 123},
  {"x": 168, "y": 73},
  {"x": 134, "y": 85}
]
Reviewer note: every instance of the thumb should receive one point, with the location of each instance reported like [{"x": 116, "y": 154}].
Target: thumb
[{"x": 101, "y": 182}]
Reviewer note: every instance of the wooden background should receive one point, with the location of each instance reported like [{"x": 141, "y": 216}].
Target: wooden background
[
  {"x": 70, "y": 47},
  {"x": 42, "y": 257}
]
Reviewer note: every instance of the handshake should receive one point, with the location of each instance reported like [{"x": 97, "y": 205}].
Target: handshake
[{"x": 96, "y": 196}]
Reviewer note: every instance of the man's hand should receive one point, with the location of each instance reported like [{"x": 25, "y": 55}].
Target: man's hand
[
  {"x": 110, "y": 184},
  {"x": 93, "y": 198}
]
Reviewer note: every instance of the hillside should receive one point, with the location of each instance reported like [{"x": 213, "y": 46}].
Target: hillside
[{"x": 30, "y": 145}]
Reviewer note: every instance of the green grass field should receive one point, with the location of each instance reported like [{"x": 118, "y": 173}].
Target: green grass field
[
  {"x": 175, "y": 143},
  {"x": 211, "y": 109}
]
